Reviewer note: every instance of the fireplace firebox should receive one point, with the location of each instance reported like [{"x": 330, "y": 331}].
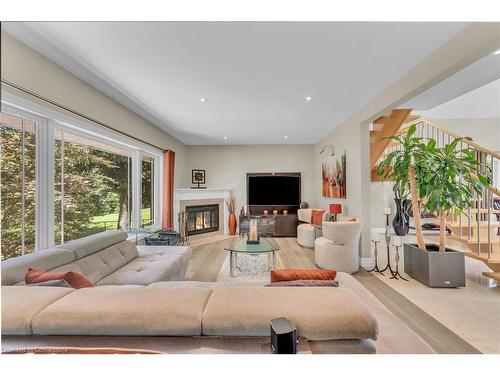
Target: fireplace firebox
[{"x": 202, "y": 219}]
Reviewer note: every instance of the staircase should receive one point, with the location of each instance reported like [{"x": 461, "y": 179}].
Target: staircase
[{"x": 479, "y": 228}]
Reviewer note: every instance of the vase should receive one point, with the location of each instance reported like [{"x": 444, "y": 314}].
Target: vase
[
  {"x": 400, "y": 222},
  {"x": 232, "y": 224}
]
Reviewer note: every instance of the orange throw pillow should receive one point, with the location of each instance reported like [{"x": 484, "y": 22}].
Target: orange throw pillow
[
  {"x": 74, "y": 279},
  {"x": 301, "y": 274},
  {"x": 317, "y": 217}
]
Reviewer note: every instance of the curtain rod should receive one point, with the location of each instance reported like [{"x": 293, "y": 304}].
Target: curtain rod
[{"x": 63, "y": 107}]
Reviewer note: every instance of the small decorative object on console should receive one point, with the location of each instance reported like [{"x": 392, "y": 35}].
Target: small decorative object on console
[
  {"x": 275, "y": 212},
  {"x": 285, "y": 212},
  {"x": 266, "y": 212},
  {"x": 253, "y": 236},
  {"x": 304, "y": 205},
  {"x": 283, "y": 336}
]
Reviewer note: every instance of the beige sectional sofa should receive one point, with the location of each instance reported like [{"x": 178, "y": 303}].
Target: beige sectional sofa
[
  {"x": 331, "y": 319},
  {"x": 138, "y": 299},
  {"x": 106, "y": 258}
]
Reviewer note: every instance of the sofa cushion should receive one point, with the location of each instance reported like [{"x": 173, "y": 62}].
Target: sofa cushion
[
  {"x": 124, "y": 311},
  {"x": 301, "y": 274},
  {"x": 317, "y": 217},
  {"x": 74, "y": 279},
  {"x": 103, "y": 263},
  {"x": 91, "y": 244},
  {"x": 318, "y": 313},
  {"x": 20, "y": 304},
  {"x": 14, "y": 269},
  {"x": 155, "y": 263}
]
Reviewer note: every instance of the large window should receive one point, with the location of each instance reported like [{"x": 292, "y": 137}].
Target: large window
[
  {"x": 18, "y": 185},
  {"x": 148, "y": 191},
  {"x": 63, "y": 178},
  {"x": 92, "y": 187}
]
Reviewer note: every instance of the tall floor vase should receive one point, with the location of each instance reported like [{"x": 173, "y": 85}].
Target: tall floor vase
[{"x": 232, "y": 224}]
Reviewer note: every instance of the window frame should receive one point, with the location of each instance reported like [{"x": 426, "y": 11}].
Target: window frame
[{"x": 47, "y": 121}]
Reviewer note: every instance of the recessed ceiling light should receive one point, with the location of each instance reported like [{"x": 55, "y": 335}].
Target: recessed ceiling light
[
  {"x": 203, "y": 99},
  {"x": 497, "y": 52},
  {"x": 286, "y": 137},
  {"x": 308, "y": 98},
  {"x": 225, "y": 137}
]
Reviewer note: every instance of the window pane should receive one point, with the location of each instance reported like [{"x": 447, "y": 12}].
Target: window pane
[
  {"x": 147, "y": 208},
  {"x": 18, "y": 185},
  {"x": 92, "y": 187}
]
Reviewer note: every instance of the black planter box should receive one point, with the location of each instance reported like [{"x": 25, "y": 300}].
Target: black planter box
[{"x": 434, "y": 268}]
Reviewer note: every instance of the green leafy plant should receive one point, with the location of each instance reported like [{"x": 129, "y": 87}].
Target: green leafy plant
[
  {"x": 404, "y": 167},
  {"x": 450, "y": 183}
]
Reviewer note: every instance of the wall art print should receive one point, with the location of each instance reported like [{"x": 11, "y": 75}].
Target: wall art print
[{"x": 333, "y": 175}]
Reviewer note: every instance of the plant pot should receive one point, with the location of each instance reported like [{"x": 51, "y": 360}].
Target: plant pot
[
  {"x": 401, "y": 221},
  {"x": 434, "y": 268},
  {"x": 232, "y": 224}
]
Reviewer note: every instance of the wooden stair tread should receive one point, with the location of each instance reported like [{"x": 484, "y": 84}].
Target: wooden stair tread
[
  {"x": 495, "y": 257},
  {"x": 391, "y": 124},
  {"x": 492, "y": 275},
  {"x": 473, "y": 224},
  {"x": 495, "y": 239}
]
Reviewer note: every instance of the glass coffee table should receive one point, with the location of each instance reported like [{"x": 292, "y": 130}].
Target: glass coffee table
[{"x": 267, "y": 246}]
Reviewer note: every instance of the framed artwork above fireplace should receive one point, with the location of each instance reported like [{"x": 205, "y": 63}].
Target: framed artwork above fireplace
[{"x": 198, "y": 178}]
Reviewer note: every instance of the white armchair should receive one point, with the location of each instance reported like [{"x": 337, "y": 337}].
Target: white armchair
[
  {"x": 305, "y": 231},
  {"x": 338, "y": 249}
]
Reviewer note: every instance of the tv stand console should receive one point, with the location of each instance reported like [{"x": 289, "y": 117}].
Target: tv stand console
[{"x": 271, "y": 225}]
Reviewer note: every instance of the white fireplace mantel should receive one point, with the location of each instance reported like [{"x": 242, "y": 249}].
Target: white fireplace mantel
[{"x": 187, "y": 194}]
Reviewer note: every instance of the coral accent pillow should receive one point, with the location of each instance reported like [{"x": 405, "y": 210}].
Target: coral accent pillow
[
  {"x": 301, "y": 274},
  {"x": 317, "y": 217},
  {"x": 74, "y": 279}
]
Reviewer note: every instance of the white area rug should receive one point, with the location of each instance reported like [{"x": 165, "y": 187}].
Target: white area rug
[{"x": 251, "y": 268}]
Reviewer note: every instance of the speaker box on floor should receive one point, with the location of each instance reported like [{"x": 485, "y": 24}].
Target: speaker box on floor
[{"x": 283, "y": 336}]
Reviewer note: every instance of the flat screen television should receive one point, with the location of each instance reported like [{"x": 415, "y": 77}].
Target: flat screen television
[{"x": 273, "y": 190}]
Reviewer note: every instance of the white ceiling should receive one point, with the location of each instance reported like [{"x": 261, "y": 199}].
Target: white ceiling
[
  {"x": 483, "y": 102},
  {"x": 476, "y": 75},
  {"x": 253, "y": 74}
]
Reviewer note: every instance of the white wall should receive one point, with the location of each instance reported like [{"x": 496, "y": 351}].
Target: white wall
[
  {"x": 227, "y": 166},
  {"x": 353, "y": 138},
  {"x": 26, "y": 68},
  {"x": 484, "y": 131}
]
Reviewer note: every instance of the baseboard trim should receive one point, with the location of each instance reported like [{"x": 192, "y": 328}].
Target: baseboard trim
[{"x": 366, "y": 262}]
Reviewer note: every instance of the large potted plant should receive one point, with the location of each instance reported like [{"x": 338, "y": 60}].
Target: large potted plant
[
  {"x": 444, "y": 181},
  {"x": 449, "y": 185}
]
